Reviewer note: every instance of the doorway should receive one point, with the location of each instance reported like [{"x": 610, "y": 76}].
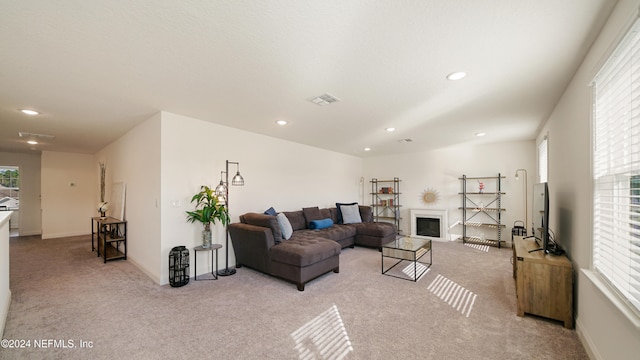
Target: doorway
[{"x": 10, "y": 196}]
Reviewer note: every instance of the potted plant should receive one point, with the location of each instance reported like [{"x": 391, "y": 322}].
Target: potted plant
[{"x": 208, "y": 210}]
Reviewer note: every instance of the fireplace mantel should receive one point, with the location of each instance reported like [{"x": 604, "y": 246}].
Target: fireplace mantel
[{"x": 440, "y": 214}]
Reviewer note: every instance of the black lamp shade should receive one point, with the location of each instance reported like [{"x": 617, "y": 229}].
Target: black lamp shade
[{"x": 237, "y": 180}]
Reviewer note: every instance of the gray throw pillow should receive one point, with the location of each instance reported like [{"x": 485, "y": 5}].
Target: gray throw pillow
[
  {"x": 339, "y": 206},
  {"x": 350, "y": 214},
  {"x": 285, "y": 226}
]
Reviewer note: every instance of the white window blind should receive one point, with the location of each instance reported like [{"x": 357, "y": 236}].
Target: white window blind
[{"x": 616, "y": 169}]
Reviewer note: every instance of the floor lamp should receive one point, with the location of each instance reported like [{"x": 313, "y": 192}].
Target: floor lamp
[
  {"x": 526, "y": 206},
  {"x": 222, "y": 190}
]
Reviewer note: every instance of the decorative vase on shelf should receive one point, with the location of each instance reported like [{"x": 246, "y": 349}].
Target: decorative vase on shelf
[
  {"x": 103, "y": 207},
  {"x": 206, "y": 239}
]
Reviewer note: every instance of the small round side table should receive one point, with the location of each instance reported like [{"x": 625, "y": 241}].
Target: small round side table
[{"x": 214, "y": 271}]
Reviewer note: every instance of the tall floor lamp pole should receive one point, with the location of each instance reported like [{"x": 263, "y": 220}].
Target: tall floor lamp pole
[
  {"x": 223, "y": 190},
  {"x": 526, "y": 206}
]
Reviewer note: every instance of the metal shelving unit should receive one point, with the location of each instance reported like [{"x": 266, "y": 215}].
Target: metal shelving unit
[
  {"x": 385, "y": 201},
  {"x": 110, "y": 237},
  {"x": 482, "y": 210}
]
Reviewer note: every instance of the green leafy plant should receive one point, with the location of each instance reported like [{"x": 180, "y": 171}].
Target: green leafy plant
[{"x": 208, "y": 209}]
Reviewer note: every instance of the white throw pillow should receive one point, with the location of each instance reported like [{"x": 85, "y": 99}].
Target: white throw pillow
[
  {"x": 285, "y": 226},
  {"x": 350, "y": 214}
]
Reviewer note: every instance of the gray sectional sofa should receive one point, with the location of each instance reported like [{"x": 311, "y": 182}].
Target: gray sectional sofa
[{"x": 312, "y": 241}]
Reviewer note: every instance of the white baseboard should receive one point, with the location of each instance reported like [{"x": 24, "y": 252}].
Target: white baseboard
[
  {"x": 59, "y": 235},
  {"x": 587, "y": 342},
  {"x": 148, "y": 273}
]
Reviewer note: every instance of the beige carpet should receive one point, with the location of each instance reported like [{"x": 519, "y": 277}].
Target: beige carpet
[{"x": 462, "y": 308}]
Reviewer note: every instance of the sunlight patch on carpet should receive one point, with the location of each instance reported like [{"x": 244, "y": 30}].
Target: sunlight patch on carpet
[
  {"x": 324, "y": 337},
  {"x": 453, "y": 294},
  {"x": 415, "y": 268},
  {"x": 480, "y": 247}
]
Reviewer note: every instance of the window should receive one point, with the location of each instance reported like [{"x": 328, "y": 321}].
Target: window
[
  {"x": 616, "y": 170},
  {"x": 9, "y": 191}
]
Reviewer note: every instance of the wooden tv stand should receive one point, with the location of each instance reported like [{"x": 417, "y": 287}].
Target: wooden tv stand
[{"x": 544, "y": 283}]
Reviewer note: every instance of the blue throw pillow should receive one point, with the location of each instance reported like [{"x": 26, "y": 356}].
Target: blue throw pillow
[
  {"x": 320, "y": 224},
  {"x": 271, "y": 211}
]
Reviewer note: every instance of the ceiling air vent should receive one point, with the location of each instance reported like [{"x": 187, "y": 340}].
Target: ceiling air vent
[
  {"x": 324, "y": 99},
  {"x": 23, "y": 134},
  {"x": 407, "y": 140}
]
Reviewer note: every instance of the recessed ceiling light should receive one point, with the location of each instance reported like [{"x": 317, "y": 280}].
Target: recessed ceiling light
[
  {"x": 390, "y": 129},
  {"x": 29, "y": 112},
  {"x": 457, "y": 75},
  {"x": 481, "y": 134},
  {"x": 281, "y": 122},
  {"x": 32, "y": 142},
  {"x": 367, "y": 149}
]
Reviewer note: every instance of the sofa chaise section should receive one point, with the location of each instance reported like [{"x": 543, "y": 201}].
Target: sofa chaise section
[{"x": 295, "y": 260}]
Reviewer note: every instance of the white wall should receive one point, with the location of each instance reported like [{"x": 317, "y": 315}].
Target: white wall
[
  {"x": 278, "y": 173},
  {"x": 441, "y": 169},
  {"x": 5, "y": 291},
  {"x": 29, "y": 164},
  {"x": 606, "y": 333},
  {"x": 135, "y": 160},
  {"x": 69, "y": 184}
]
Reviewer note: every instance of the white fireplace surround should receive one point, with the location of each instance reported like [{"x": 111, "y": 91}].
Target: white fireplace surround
[{"x": 440, "y": 214}]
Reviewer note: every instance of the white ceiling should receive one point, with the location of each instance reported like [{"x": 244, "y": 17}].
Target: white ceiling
[{"x": 95, "y": 69}]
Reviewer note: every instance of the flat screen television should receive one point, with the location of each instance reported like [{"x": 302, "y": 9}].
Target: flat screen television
[{"x": 541, "y": 216}]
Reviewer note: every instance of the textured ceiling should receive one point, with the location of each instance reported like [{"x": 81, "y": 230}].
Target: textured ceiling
[{"x": 95, "y": 69}]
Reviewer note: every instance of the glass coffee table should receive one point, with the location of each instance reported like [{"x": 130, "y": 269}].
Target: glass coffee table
[{"x": 406, "y": 254}]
